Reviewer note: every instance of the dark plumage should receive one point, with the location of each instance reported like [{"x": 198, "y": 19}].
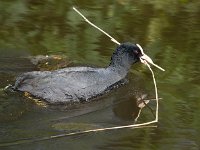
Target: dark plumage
[{"x": 79, "y": 83}]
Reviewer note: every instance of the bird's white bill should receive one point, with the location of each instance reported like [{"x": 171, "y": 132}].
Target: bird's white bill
[{"x": 146, "y": 58}]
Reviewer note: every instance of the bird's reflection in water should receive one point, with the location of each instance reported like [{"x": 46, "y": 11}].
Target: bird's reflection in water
[
  {"x": 126, "y": 109},
  {"x": 131, "y": 99}
]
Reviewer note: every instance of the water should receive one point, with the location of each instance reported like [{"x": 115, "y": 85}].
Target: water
[{"x": 167, "y": 30}]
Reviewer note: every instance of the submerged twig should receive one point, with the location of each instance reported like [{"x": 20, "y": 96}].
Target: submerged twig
[
  {"x": 138, "y": 115},
  {"x": 112, "y": 39},
  {"x": 149, "y": 108},
  {"x": 143, "y": 101}
]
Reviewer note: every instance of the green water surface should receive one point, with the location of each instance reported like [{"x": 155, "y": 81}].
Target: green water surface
[{"x": 168, "y": 30}]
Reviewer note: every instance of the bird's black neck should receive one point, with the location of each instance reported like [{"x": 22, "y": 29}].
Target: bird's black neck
[{"x": 119, "y": 64}]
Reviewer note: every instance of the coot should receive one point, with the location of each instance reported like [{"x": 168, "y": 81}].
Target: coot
[{"x": 80, "y": 83}]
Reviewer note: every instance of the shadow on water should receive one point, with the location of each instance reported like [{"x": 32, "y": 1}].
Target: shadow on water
[{"x": 169, "y": 32}]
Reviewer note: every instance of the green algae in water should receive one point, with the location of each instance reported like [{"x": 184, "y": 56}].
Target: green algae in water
[{"x": 73, "y": 126}]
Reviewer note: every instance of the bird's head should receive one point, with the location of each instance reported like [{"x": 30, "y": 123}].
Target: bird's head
[{"x": 127, "y": 53}]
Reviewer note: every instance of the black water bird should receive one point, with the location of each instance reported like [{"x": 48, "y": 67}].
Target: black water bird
[{"x": 80, "y": 83}]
